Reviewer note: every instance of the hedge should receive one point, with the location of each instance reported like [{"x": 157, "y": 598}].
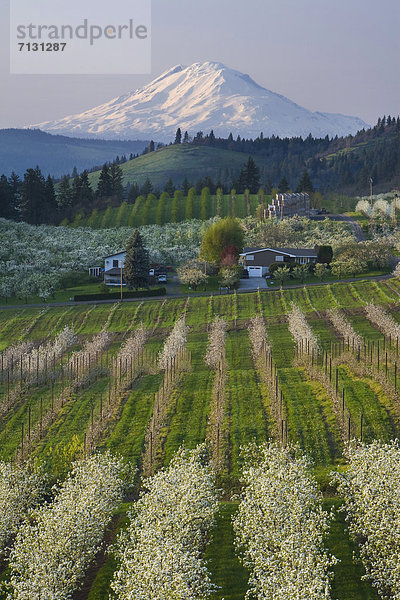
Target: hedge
[{"x": 117, "y": 295}]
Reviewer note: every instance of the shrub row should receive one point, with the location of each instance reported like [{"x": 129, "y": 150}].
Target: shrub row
[{"x": 116, "y": 295}]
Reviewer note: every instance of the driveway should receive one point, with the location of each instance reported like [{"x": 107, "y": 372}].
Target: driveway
[{"x": 252, "y": 283}]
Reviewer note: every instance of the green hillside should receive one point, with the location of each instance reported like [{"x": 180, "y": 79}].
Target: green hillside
[{"x": 180, "y": 161}]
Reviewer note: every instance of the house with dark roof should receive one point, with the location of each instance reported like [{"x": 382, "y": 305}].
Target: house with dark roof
[{"x": 258, "y": 260}]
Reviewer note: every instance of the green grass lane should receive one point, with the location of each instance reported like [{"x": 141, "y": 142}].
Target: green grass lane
[
  {"x": 96, "y": 319},
  {"x": 188, "y": 420},
  {"x": 248, "y": 418},
  {"x": 247, "y": 306},
  {"x": 385, "y": 292},
  {"x": 171, "y": 311},
  {"x": 226, "y": 570},
  {"x": 97, "y": 585},
  {"x": 281, "y": 341},
  {"x": 364, "y": 327},
  {"x": 360, "y": 399},
  {"x": 18, "y": 324},
  {"x": 11, "y": 426},
  {"x": 272, "y": 304},
  {"x": 126, "y": 318},
  {"x": 347, "y": 583},
  {"x": 320, "y": 297},
  {"x": 127, "y": 436},
  {"x": 296, "y": 296},
  {"x": 343, "y": 295},
  {"x": 74, "y": 419},
  {"x": 197, "y": 310},
  {"x": 325, "y": 333},
  {"x": 311, "y": 421}
]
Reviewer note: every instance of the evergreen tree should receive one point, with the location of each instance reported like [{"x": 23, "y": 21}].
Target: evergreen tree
[
  {"x": 64, "y": 194},
  {"x": 136, "y": 262},
  {"x": 86, "y": 192},
  {"x": 6, "y": 199},
  {"x": 185, "y": 187},
  {"x": 51, "y": 199},
  {"x": 133, "y": 193},
  {"x": 34, "y": 197},
  {"x": 169, "y": 187},
  {"x": 268, "y": 186},
  {"x": 116, "y": 177},
  {"x": 283, "y": 186},
  {"x": 186, "y": 138},
  {"x": 147, "y": 188},
  {"x": 178, "y": 136},
  {"x": 104, "y": 185},
  {"x": 249, "y": 177},
  {"x": 305, "y": 184}
]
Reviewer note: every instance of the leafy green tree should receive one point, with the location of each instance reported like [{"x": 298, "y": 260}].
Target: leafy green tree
[
  {"x": 192, "y": 274},
  {"x": 325, "y": 254},
  {"x": 300, "y": 272},
  {"x": 189, "y": 204},
  {"x": 321, "y": 270},
  {"x": 204, "y": 203},
  {"x": 219, "y": 200},
  {"x": 282, "y": 274},
  {"x": 230, "y": 276},
  {"x": 137, "y": 263},
  {"x": 220, "y": 235}
]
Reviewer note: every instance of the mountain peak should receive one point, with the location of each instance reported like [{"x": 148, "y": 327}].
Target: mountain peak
[{"x": 205, "y": 95}]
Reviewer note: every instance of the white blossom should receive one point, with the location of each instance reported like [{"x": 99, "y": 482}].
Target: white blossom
[
  {"x": 160, "y": 555},
  {"x": 280, "y": 527},
  {"x": 53, "y": 550}
]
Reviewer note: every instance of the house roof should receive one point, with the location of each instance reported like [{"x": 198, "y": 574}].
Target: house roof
[
  {"x": 116, "y": 254},
  {"x": 294, "y": 252}
]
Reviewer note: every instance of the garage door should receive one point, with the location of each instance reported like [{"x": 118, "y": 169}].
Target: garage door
[{"x": 255, "y": 271}]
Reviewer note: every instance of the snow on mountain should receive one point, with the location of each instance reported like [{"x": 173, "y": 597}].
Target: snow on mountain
[{"x": 202, "y": 97}]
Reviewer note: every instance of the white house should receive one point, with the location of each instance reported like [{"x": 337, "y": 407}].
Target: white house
[{"x": 112, "y": 269}]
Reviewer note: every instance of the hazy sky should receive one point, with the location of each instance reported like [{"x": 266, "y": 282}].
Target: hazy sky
[{"x": 328, "y": 55}]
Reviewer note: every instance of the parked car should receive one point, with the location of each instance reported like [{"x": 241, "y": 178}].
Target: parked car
[{"x": 162, "y": 278}]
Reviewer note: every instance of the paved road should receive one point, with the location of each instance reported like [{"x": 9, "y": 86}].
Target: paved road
[
  {"x": 252, "y": 284},
  {"x": 356, "y": 227},
  {"x": 240, "y": 291}
]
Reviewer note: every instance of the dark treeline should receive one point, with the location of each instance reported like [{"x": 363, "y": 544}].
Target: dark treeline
[{"x": 338, "y": 164}]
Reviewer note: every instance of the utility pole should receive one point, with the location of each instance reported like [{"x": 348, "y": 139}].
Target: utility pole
[
  {"x": 121, "y": 280},
  {"x": 371, "y": 181}
]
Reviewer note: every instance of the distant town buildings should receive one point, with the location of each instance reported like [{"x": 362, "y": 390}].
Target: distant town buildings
[{"x": 289, "y": 205}]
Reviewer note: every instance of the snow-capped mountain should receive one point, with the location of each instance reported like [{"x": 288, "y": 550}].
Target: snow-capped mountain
[{"x": 202, "y": 97}]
